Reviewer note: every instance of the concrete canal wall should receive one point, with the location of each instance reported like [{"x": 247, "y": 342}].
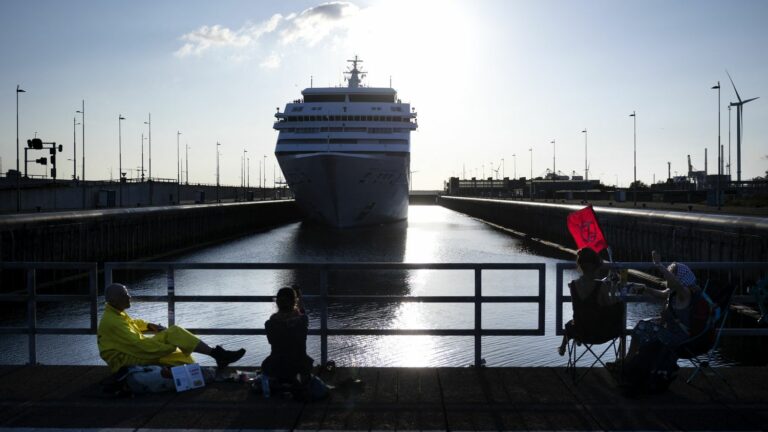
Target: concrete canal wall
[
  {"x": 132, "y": 233},
  {"x": 44, "y": 195},
  {"x": 632, "y": 233}
]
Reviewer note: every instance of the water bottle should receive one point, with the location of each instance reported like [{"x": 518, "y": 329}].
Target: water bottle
[{"x": 265, "y": 385}]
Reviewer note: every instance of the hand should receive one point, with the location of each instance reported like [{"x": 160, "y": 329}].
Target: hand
[{"x": 155, "y": 327}]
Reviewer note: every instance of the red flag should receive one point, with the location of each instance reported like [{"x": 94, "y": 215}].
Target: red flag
[{"x": 585, "y": 230}]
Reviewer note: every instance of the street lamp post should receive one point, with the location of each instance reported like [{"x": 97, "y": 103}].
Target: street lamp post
[
  {"x": 74, "y": 147},
  {"x": 245, "y": 157},
  {"x": 82, "y": 138},
  {"x": 264, "y": 173},
  {"x": 634, "y": 153},
  {"x": 149, "y": 124},
  {"x": 120, "y": 119},
  {"x": 186, "y": 156},
  {"x": 178, "y": 168},
  {"x": 217, "y": 172},
  {"x": 586, "y": 165},
  {"x": 531, "y": 150},
  {"x": 553, "y": 160},
  {"x": 142, "y": 156},
  {"x": 18, "y": 172},
  {"x": 719, "y": 149}
]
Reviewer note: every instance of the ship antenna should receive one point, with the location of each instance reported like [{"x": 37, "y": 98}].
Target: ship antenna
[{"x": 355, "y": 74}]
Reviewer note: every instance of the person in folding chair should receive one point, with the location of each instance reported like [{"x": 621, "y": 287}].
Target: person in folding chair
[
  {"x": 598, "y": 314},
  {"x": 651, "y": 362},
  {"x": 672, "y": 328}
]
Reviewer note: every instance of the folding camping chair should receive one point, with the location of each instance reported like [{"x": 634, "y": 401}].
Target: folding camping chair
[
  {"x": 611, "y": 320},
  {"x": 711, "y": 311}
]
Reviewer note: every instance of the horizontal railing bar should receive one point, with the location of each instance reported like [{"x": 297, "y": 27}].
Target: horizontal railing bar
[
  {"x": 376, "y": 332},
  {"x": 719, "y": 265},
  {"x": 330, "y": 266},
  {"x": 47, "y": 265},
  {"x": 357, "y": 332},
  {"x": 47, "y": 330},
  {"x": 340, "y": 299},
  {"x": 45, "y": 297}
]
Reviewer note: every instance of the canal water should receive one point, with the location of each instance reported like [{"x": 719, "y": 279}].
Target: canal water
[{"x": 432, "y": 234}]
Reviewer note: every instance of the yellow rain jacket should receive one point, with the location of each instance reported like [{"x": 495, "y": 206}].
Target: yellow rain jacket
[{"x": 122, "y": 342}]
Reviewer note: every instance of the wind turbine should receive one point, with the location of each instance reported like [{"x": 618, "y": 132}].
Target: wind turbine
[{"x": 738, "y": 106}]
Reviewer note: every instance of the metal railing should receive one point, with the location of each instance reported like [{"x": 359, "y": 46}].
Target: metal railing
[
  {"x": 707, "y": 267},
  {"x": 324, "y": 298},
  {"x": 31, "y": 298}
]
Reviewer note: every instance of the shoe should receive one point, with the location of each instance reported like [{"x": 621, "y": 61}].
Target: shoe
[{"x": 224, "y": 358}]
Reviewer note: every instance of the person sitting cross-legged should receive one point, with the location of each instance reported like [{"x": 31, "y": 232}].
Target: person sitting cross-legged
[{"x": 122, "y": 342}]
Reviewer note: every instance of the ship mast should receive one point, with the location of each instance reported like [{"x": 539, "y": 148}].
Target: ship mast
[{"x": 355, "y": 75}]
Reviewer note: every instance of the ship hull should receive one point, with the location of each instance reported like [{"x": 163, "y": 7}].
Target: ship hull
[{"x": 349, "y": 189}]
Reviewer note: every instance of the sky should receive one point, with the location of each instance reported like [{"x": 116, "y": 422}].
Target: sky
[{"x": 493, "y": 82}]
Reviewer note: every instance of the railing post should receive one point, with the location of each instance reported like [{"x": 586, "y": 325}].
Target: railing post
[
  {"x": 93, "y": 286},
  {"x": 558, "y": 297},
  {"x": 32, "y": 315},
  {"x": 323, "y": 316},
  {"x": 542, "y": 297},
  {"x": 107, "y": 275},
  {"x": 171, "y": 297},
  {"x": 478, "y": 317}
]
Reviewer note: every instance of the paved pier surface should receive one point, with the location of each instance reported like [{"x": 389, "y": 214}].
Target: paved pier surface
[{"x": 393, "y": 399}]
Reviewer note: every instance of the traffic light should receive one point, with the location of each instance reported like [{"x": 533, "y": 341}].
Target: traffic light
[
  {"x": 35, "y": 143},
  {"x": 53, "y": 160},
  {"x": 42, "y": 161}
]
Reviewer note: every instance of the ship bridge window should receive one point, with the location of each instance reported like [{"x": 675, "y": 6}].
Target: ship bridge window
[
  {"x": 324, "y": 98},
  {"x": 343, "y": 141},
  {"x": 396, "y": 108},
  {"x": 371, "y": 98},
  {"x": 300, "y": 141},
  {"x": 357, "y": 118},
  {"x": 296, "y": 109}
]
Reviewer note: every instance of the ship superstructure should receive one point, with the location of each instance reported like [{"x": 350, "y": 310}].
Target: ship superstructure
[{"x": 345, "y": 152}]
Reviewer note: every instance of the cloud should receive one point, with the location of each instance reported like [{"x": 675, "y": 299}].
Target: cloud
[
  {"x": 206, "y": 37},
  {"x": 310, "y": 26},
  {"x": 314, "y": 24}
]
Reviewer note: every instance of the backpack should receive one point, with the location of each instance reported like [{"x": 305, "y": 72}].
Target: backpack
[
  {"x": 651, "y": 370},
  {"x": 149, "y": 379}
]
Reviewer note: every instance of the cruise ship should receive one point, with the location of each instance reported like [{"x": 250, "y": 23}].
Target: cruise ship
[{"x": 345, "y": 152}]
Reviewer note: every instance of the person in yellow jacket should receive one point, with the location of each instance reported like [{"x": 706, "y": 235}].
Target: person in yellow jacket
[{"x": 122, "y": 341}]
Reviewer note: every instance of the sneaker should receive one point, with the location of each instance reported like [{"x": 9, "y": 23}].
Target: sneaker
[{"x": 224, "y": 358}]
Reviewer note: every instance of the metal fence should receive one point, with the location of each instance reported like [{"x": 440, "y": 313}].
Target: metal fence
[
  {"x": 324, "y": 298},
  {"x": 733, "y": 272},
  {"x": 31, "y": 298}
]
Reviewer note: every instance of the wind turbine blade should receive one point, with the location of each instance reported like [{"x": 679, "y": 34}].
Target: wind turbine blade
[
  {"x": 750, "y": 100},
  {"x": 734, "y": 86}
]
